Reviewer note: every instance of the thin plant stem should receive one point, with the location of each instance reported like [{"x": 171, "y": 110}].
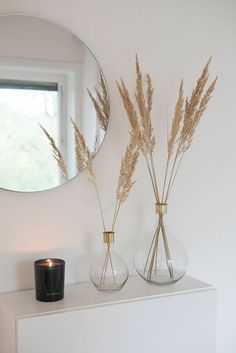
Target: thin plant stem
[
  {"x": 112, "y": 268},
  {"x": 167, "y": 162},
  {"x": 165, "y": 179},
  {"x": 154, "y": 249},
  {"x": 171, "y": 176},
  {"x": 153, "y": 240},
  {"x": 103, "y": 269},
  {"x": 154, "y": 256},
  {"x": 150, "y": 249},
  {"x": 117, "y": 208},
  {"x": 167, "y": 251},
  {"x": 176, "y": 172},
  {"x": 155, "y": 260},
  {"x": 168, "y": 159},
  {"x": 114, "y": 215},
  {"x": 107, "y": 257},
  {"x": 99, "y": 203},
  {"x": 151, "y": 176},
  {"x": 154, "y": 175},
  {"x": 172, "y": 172}
]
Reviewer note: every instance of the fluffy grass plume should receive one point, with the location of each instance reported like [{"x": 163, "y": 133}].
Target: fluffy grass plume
[
  {"x": 176, "y": 121},
  {"x": 127, "y": 168},
  {"x": 194, "y": 108},
  {"x": 81, "y": 150},
  {"x": 187, "y": 115},
  {"x": 125, "y": 180},
  {"x": 56, "y": 153},
  {"x": 101, "y": 103}
]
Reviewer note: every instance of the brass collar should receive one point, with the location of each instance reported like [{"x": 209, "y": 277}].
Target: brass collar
[
  {"x": 161, "y": 208},
  {"x": 108, "y": 237}
]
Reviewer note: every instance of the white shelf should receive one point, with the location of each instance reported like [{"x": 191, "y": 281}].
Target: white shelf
[
  {"x": 164, "y": 306},
  {"x": 22, "y": 304}
]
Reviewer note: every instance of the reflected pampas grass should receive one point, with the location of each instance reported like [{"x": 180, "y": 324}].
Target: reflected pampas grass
[{"x": 101, "y": 103}]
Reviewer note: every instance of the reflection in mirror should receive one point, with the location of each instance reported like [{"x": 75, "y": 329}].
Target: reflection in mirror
[{"x": 47, "y": 77}]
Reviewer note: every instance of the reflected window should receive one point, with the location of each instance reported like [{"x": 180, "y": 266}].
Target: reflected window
[{"x": 24, "y": 152}]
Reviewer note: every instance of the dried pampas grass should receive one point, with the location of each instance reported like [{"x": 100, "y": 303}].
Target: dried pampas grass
[
  {"x": 176, "y": 121},
  {"x": 127, "y": 168},
  {"x": 101, "y": 103},
  {"x": 56, "y": 153},
  {"x": 187, "y": 115},
  {"x": 125, "y": 180},
  {"x": 84, "y": 160}
]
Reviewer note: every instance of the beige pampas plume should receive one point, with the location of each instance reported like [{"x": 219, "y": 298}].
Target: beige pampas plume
[
  {"x": 125, "y": 181},
  {"x": 176, "y": 121},
  {"x": 101, "y": 103},
  {"x": 194, "y": 108},
  {"x": 56, "y": 153},
  {"x": 188, "y": 113},
  {"x": 128, "y": 165}
]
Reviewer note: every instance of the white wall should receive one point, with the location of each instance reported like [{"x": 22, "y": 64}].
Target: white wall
[
  {"x": 30, "y": 34},
  {"x": 173, "y": 39}
]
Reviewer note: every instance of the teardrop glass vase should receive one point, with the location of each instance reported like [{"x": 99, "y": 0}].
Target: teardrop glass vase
[
  {"x": 109, "y": 272},
  {"x": 161, "y": 259}
]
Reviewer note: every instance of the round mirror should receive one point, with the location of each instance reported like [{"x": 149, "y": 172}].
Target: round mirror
[{"x": 50, "y": 83}]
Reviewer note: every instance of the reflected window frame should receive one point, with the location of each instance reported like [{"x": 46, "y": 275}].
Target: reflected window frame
[{"x": 33, "y": 74}]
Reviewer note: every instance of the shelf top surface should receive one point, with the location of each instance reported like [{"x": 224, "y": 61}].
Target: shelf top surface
[{"x": 22, "y": 304}]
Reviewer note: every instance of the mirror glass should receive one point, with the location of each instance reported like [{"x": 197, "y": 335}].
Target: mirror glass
[{"x": 48, "y": 80}]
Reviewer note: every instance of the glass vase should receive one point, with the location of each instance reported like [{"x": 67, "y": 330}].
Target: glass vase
[
  {"x": 109, "y": 272},
  {"x": 161, "y": 259}
]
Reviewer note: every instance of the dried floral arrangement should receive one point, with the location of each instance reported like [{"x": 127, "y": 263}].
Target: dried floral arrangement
[
  {"x": 125, "y": 182},
  {"x": 84, "y": 159},
  {"x": 187, "y": 115}
]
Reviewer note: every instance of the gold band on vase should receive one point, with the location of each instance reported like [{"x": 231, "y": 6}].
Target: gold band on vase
[
  {"x": 161, "y": 208},
  {"x": 108, "y": 237}
]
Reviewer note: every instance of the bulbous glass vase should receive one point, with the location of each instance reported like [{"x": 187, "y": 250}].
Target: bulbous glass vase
[
  {"x": 161, "y": 259},
  {"x": 109, "y": 272}
]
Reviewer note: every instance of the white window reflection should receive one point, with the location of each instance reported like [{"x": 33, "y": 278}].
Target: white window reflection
[{"x": 28, "y": 164}]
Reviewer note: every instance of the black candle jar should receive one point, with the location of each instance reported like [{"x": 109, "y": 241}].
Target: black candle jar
[{"x": 49, "y": 279}]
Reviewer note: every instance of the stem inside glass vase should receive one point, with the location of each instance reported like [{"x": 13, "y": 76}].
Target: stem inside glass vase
[
  {"x": 151, "y": 265},
  {"x": 161, "y": 258},
  {"x": 109, "y": 272},
  {"x": 108, "y": 238}
]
